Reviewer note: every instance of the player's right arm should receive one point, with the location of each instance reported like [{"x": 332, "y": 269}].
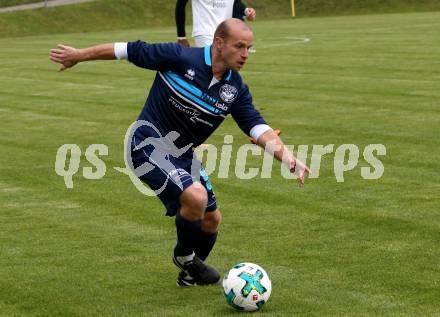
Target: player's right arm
[
  {"x": 159, "y": 56},
  {"x": 69, "y": 56},
  {"x": 180, "y": 22},
  {"x": 240, "y": 11}
]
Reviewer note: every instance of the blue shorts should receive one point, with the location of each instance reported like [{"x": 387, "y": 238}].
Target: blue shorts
[{"x": 172, "y": 176}]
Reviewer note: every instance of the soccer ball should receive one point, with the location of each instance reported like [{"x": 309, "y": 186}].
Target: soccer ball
[{"x": 247, "y": 287}]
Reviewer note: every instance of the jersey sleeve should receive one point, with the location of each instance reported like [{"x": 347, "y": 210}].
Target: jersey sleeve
[
  {"x": 180, "y": 17},
  {"x": 159, "y": 57},
  {"x": 238, "y": 10},
  {"x": 244, "y": 112}
]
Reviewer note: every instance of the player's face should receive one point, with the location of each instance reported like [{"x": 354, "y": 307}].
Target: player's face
[{"x": 235, "y": 49}]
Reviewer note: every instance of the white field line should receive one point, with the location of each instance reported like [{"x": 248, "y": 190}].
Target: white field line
[
  {"x": 287, "y": 41},
  {"x": 32, "y": 115},
  {"x": 345, "y": 77},
  {"x": 11, "y": 190},
  {"x": 52, "y": 204},
  {"x": 65, "y": 84}
]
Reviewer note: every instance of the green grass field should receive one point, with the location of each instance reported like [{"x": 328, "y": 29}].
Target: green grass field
[
  {"x": 358, "y": 248},
  {"x": 109, "y": 15},
  {"x": 7, "y": 3}
]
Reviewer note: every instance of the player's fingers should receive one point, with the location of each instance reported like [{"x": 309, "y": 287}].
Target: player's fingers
[
  {"x": 62, "y": 46},
  {"x": 307, "y": 169},
  {"x": 55, "y": 59},
  {"x": 55, "y": 54},
  {"x": 56, "y": 51},
  {"x": 252, "y": 14},
  {"x": 300, "y": 167},
  {"x": 301, "y": 180}
]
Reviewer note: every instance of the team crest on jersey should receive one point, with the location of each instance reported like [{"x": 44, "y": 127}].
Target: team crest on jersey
[
  {"x": 190, "y": 73},
  {"x": 228, "y": 93}
]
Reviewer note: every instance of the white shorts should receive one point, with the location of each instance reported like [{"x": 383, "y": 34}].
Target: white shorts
[{"x": 203, "y": 40}]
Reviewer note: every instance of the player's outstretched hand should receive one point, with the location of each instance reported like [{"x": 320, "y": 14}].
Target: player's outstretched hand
[
  {"x": 299, "y": 169},
  {"x": 183, "y": 42},
  {"x": 250, "y": 14},
  {"x": 65, "y": 55}
]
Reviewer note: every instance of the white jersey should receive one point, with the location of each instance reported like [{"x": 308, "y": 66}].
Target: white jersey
[{"x": 208, "y": 14}]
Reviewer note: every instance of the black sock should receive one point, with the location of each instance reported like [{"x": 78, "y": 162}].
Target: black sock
[
  {"x": 205, "y": 243},
  {"x": 187, "y": 234}
]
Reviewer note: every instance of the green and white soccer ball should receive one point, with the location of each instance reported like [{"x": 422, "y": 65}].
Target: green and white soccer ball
[{"x": 247, "y": 287}]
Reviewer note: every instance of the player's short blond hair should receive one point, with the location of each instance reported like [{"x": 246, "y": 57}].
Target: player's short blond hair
[{"x": 225, "y": 28}]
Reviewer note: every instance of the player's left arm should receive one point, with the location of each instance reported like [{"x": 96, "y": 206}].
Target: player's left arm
[
  {"x": 272, "y": 143},
  {"x": 253, "y": 124}
]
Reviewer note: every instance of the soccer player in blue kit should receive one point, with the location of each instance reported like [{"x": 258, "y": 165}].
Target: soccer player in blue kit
[{"x": 193, "y": 91}]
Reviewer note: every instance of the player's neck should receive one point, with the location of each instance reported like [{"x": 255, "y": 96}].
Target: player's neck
[{"x": 218, "y": 66}]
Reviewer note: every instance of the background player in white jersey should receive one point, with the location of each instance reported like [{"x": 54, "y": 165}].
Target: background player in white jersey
[{"x": 207, "y": 15}]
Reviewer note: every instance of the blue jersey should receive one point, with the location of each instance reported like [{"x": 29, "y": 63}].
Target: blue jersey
[{"x": 182, "y": 97}]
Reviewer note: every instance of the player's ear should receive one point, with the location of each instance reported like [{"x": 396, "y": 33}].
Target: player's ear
[{"x": 218, "y": 42}]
